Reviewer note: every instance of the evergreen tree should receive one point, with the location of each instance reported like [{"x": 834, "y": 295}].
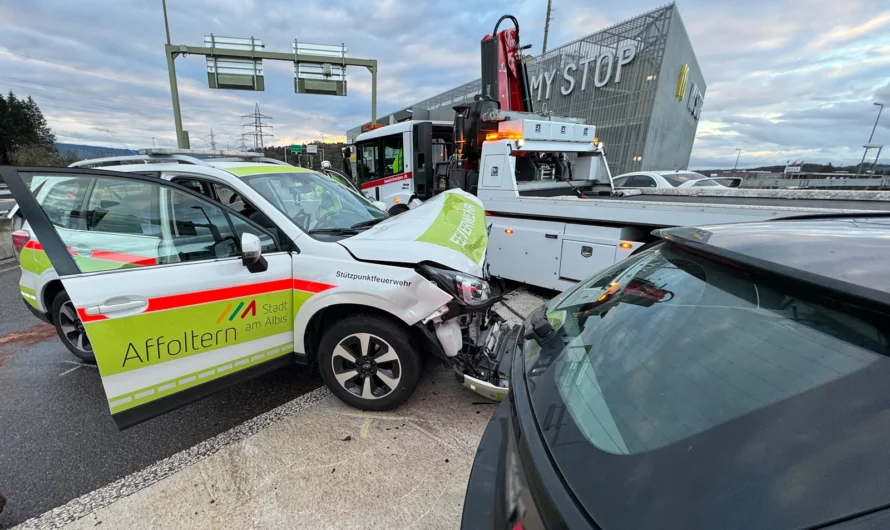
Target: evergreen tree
[
  {"x": 43, "y": 135},
  {"x": 24, "y": 133}
]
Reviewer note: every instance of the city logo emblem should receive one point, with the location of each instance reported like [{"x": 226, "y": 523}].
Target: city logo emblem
[{"x": 251, "y": 308}]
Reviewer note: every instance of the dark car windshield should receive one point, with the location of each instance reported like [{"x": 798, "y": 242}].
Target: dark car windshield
[
  {"x": 313, "y": 201},
  {"x": 679, "y": 381}
]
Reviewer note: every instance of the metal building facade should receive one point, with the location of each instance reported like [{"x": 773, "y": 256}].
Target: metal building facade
[{"x": 637, "y": 81}]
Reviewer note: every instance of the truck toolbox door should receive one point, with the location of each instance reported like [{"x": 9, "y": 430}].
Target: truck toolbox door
[{"x": 158, "y": 283}]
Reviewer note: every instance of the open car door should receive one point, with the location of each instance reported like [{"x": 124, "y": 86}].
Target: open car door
[{"x": 171, "y": 288}]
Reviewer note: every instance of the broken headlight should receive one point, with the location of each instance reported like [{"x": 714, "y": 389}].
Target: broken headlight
[{"x": 465, "y": 288}]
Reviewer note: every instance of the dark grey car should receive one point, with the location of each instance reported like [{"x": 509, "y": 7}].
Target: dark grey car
[{"x": 728, "y": 377}]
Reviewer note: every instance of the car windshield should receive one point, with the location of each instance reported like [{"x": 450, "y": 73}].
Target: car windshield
[
  {"x": 313, "y": 201},
  {"x": 670, "y": 364},
  {"x": 679, "y": 178}
]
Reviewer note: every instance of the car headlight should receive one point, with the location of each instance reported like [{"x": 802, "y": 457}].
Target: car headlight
[{"x": 466, "y": 288}]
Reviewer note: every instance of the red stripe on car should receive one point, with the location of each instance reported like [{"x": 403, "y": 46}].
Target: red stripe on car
[
  {"x": 386, "y": 180},
  {"x": 205, "y": 297},
  {"x": 123, "y": 258},
  {"x": 311, "y": 287}
]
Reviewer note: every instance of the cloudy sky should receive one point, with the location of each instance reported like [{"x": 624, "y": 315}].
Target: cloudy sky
[{"x": 786, "y": 78}]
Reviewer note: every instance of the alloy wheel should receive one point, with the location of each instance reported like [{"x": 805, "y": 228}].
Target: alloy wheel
[
  {"x": 366, "y": 366},
  {"x": 72, "y": 328}
]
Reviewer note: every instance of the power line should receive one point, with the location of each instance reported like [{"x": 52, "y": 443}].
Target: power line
[{"x": 258, "y": 128}]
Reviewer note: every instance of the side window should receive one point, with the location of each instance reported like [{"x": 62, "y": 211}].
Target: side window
[
  {"x": 198, "y": 186},
  {"x": 123, "y": 207},
  {"x": 704, "y": 183},
  {"x": 241, "y": 227},
  {"x": 62, "y": 202},
  {"x": 234, "y": 200},
  {"x": 368, "y": 162},
  {"x": 620, "y": 181},
  {"x": 393, "y": 155},
  {"x": 229, "y": 196},
  {"x": 640, "y": 181},
  {"x": 198, "y": 230}
]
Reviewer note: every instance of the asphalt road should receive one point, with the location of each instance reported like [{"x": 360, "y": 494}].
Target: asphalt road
[{"x": 57, "y": 439}]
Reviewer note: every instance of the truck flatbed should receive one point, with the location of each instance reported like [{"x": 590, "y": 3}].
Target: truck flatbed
[{"x": 661, "y": 207}]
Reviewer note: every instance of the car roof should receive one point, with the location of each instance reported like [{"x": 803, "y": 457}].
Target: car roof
[
  {"x": 239, "y": 169},
  {"x": 678, "y": 172},
  {"x": 844, "y": 253}
]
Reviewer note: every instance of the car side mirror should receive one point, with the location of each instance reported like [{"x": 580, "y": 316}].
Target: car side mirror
[{"x": 252, "y": 253}]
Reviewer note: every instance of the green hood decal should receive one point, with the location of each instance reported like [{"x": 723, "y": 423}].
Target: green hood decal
[{"x": 459, "y": 226}]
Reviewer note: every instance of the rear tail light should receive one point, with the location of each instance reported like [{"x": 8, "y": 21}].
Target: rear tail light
[{"x": 19, "y": 239}]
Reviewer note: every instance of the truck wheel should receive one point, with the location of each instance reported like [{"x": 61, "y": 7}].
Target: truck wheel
[
  {"x": 70, "y": 328},
  {"x": 398, "y": 208},
  {"x": 369, "y": 362}
]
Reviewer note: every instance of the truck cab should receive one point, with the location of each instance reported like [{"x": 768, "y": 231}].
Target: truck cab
[{"x": 396, "y": 164}]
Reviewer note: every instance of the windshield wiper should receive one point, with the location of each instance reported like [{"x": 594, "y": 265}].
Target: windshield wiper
[
  {"x": 335, "y": 231},
  {"x": 369, "y": 222}
]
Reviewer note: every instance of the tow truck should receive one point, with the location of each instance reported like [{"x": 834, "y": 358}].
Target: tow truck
[{"x": 553, "y": 214}]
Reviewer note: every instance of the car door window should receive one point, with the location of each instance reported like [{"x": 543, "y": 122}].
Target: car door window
[
  {"x": 196, "y": 185},
  {"x": 705, "y": 183},
  {"x": 60, "y": 200},
  {"x": 368, "y": 162},
  {"x": 130, "y": 223},
  {"x": 393, "y": 155},
  {"x": 243, "y": 227},
  {"x": 619, "y": 182},
  {"x": 228, "y": 196},
  {"x": 123, "y": 207},
  {"x": 640, "y": 181},
  {"x": 196, "y": 229}
]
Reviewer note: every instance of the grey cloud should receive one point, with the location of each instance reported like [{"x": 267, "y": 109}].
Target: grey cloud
[{"x": 778, "y": 82}]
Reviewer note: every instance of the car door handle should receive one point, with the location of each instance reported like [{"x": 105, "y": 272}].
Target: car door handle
[{"x": 104, "y": 309}]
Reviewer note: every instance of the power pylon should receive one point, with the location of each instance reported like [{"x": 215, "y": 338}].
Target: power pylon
[
  {"x": 212, "y": 140},
  {"x": 259, "y": 127}
]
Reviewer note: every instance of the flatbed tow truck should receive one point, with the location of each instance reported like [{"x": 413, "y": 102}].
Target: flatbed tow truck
[{"x": 553, "y": 216}]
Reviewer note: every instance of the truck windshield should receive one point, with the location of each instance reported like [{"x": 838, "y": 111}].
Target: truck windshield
[
  {"x": 313, "y": 201},
  {"x": 669, "y": 359}
]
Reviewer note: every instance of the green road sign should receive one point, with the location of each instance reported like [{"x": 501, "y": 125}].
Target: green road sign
[{"x": 296, "y": 149}]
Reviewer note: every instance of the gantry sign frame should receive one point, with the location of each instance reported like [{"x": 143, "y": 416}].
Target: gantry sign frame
[{"x": 172, "y": 51}]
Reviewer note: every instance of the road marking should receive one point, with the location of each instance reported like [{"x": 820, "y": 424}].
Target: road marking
[
  {"x": 76, "y": 366},
  {"x": 68, "y": 371},
  {"x": 124, "y": 487},
  {"x": 365, "y": 427}
]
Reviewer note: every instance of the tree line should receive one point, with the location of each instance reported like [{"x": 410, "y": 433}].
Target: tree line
[{"x": 25, "y": 137}]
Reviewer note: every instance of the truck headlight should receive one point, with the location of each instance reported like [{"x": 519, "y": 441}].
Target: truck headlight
[{"x": 466, "y": 288}]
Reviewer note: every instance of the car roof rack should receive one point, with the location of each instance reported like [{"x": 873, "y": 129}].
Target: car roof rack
[{"x": 181, "y": 156}]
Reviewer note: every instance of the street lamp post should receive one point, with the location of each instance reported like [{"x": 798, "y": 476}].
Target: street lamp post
[
  {"x": 870, "y": 137},
  {"x": 739, "y": 153}
]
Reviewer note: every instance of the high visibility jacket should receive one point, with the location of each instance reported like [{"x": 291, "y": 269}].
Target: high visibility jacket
[{"x": 397, "y": 162}]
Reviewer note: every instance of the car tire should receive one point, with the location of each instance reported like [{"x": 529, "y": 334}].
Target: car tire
[
  {"x": 369, "y": 362},
  {"x": 397, "y": 209},
  {"x": 70, "y": 328}
]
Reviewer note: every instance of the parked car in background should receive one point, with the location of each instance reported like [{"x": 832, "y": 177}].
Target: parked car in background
[
  {"x": 727, "y": 377},
  {"x": 672, "y": 179}
]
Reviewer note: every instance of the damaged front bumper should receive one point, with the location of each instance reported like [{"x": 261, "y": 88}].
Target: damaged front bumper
[{"x": 479, "y": 345}]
